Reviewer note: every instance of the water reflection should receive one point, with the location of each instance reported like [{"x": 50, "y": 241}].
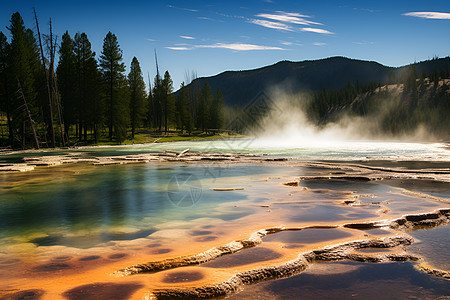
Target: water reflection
[
  {"x": 76, "y": 204},
  {"x": 352, "y": 280}
]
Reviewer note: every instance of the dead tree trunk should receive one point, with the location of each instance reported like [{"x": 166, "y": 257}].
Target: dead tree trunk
[
  {"x": 29, "y": 114},
  {"x": 50, "y": 106},
  {"x": 56, "y": 93}
]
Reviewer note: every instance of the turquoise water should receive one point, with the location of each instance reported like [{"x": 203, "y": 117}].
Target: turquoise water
[
  {"x": 82, "y": 206},
  {"x": 66, "y": 199},
  {"x": 128, "y": 201}
]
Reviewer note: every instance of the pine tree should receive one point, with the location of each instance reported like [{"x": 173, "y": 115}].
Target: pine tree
[
  {"x": 22, "y": 64},
  {"x": 217, "y": 111},
  {"x": 113, "y": 77},
  {"x": 184, "y": 119},
  {"x": 5, "y": 82},
  {"x": 167, "y": 100},
  {"x": 137, "y": 95},
  {"x": 179, "y": 108},
  {"x": 94, "y": 96},
  {"x": 151, "y": 123},
  {"x": 67, "y": 80},
  {"x": 87, "y": 82},
  {"x": 204, "y": 108},
  {"x": 156, "y": 103}
]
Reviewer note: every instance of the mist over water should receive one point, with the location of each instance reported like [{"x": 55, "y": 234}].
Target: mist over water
[{"x": 286, "y": 125}]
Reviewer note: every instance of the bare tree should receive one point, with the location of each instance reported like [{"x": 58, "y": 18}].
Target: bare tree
[
  {"x": 20, "y": 91},
  {"x": 46, "y": 73}
]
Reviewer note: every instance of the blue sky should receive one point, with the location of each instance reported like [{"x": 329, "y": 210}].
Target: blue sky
[{"x": 209, "y": 37}]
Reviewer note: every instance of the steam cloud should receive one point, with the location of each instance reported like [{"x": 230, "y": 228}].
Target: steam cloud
[{"x": 287, "y": 125}]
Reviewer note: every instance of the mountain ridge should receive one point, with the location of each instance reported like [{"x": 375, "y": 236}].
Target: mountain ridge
[{"x": 240, "y": 87}]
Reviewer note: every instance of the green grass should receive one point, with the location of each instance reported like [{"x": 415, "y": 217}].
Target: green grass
[
  {"x": 145, "y": 136},
  {"x": 141, "y": 136}
]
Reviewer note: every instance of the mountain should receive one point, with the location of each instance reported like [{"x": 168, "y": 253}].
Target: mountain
[{"x": 240, "y": 87}]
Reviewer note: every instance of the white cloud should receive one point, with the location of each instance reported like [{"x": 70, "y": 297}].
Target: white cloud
[
  {"x": 429, "y": 15},
  {"x": 232, "y": 46},
  {"x": 181, "y": 48},
  {"x": 187, "y": 37},
  {"x": 290, "y": 43},
  {"x": 316, "y": 30},
  {"x": 151, "y": 40},
  {"x": 319, "y": 44},
  {"x": 293, "y": 14},
  {"x": 182, "y": 8},
  {"x": 239, "y": 47},
  {"x": 210, "y": 19},
  {"x": 282, "y": 20},
  {"x": 270, "y": 24},
  {"x": 293, "y": 18}
]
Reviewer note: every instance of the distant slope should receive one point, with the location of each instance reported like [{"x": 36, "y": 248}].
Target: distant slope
[{"x": 240, "y": 87}]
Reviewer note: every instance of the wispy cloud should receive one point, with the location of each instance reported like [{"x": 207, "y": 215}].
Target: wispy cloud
[
  {"x": 231, "y": 46},
  {"x": 319, "y": 44},
  {"x": 210, "y": 19},
  {"x": 182, "y": 8},
  {"x": 429, "y": 15},
  {"x": 180, "y": 48},
  {"x": 240, "y": 47},
  {"x": 151, "y": 40},
  {"x": 290, "y": 43},
  {"x": 293, "y": 18},
  {"x": 316, "y": 30},
  {"x": 187, "y": 37},
  {"x": 270, "y": 24},
  {"x": 286, "y": 21}
]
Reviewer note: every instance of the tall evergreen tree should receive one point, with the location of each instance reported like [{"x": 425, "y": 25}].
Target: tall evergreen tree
[
  {"x": 151, "y": 123},
  {"x": 87, "y": 79},
  {"x": 113, "y": 77},
  {"x": 5, "y": 82},
  {"x": 184, "y": 119},
  {"x": 204, "y": 107},
  {"x": 137, "y": 95},
  {"x": 167, "y": 100},
  {"x": 157, "y": 102},
  {"x": 67, "y": 81},
  {"x": 22, "y": 64},
  {"x": 217, "y": 111}
]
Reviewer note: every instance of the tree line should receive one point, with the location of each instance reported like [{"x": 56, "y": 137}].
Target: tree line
[
  {"x": 82, "y": 97},
  {"x": 407, "y": 100}
]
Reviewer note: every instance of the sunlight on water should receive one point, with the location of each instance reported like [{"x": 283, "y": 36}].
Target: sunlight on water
[{"x": 294, "y": 147}]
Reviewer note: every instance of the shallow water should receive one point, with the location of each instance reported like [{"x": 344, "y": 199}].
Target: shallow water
[
  {"x": 78, "y": 223},
  {"x": 98, "y": 200},
  {"x": 434, "y": 245},
  {"x": 350, "y": 280}
]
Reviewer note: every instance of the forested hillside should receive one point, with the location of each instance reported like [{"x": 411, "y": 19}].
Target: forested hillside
[
  {"x": 86, "y": 98},
  {"x": 399, "y": 107},
  {"x": 240, "y": 87}
]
